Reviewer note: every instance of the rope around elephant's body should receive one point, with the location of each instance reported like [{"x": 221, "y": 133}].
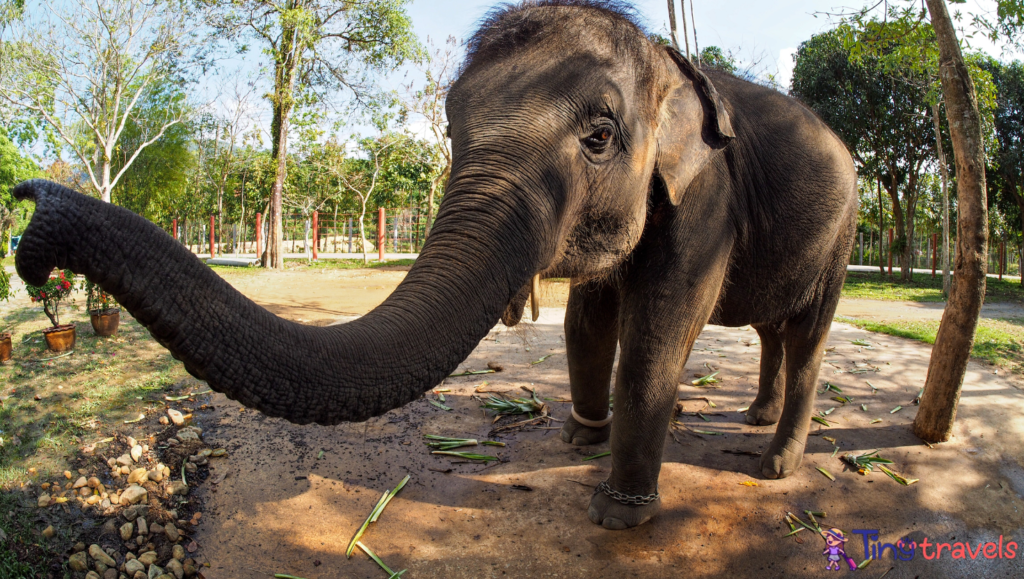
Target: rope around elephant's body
[{"x": 627, "y": 499}]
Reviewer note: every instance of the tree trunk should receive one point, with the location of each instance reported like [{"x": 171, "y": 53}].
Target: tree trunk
[
  {"x": 955, "y": 338},
  {"x": 362, "y": 231},
  {"x": 672, "y": 24},
  {"x": 881, "y": 229},
  {"x": 283, "y": 101}
]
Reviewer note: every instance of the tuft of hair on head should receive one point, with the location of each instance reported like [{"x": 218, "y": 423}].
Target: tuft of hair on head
[{"x": 509, "y": 25}]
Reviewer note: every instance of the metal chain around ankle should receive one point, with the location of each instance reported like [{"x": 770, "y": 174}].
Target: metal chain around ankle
[{"x": 627, "y": 499}]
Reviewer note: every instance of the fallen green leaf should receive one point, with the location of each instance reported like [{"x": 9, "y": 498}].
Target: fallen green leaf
[
  {"x": 826, "y": 473},
  {"x": 821, "y": 420},
  {"x": 603, "y": 454},
  {"x": 895, "y": 410}
]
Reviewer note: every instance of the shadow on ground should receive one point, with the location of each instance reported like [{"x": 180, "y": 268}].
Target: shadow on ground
[{"x": 283, "y": 510}]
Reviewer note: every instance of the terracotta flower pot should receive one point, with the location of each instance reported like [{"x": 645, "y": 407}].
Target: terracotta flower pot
[
  {"x": 5, "y": 347},
  {"x": 60, "y": 338},
  {"x": 105, "y": 323}
]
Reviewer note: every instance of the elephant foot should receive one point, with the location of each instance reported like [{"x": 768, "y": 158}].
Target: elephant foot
[
  {"x": 782, "y": 458},
  {"x": 611, "y": 514},
  {"x": 579, "y": 435},
  {"x": 764, "y": 413}
]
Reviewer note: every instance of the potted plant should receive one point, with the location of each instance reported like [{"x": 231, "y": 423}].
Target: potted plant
[
  {"x": 56, "y": 290},
  {"x": 104, "y": 313}
]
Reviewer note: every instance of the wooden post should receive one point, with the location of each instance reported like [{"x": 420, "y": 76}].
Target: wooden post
[
  {"x": 348, "y": 229},
  {"x": 174, "y": 228},
  {"x": 890, "y": 252},
  {"x": 316, "y": 234},
  {"x": 935, "y": 252},
  {"x": 213, "y": 237},
  {"x": 381, "y": 233}
]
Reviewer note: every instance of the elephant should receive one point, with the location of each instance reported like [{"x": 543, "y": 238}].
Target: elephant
[{"x": 672, "y": 197}]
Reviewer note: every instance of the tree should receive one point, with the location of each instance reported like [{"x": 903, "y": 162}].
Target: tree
[
  {"x": 1007, "y": 179},
  {"x": 955, "y": 338},
  {"x": 713, "y": 58},
  {"x": 83, "y": 69},
  {"x": 316, "y": 48},
  {"x": 364, "y": 179},
  {"x": 881, "y": 114},
  {"x": 439, "y": 69},
  {"x": 14, "y": 168}
]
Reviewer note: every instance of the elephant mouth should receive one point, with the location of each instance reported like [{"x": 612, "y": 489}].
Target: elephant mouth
[{"x": 513, "y": 313}]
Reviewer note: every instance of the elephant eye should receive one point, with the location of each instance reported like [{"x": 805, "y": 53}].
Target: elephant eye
[{"x": 599, "y": 140}]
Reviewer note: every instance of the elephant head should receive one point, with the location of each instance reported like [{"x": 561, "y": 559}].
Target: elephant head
[{"x": 567, "y": 123}]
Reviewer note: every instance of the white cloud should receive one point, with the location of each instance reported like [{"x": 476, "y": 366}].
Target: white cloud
[{"x": 786, "y": 63}]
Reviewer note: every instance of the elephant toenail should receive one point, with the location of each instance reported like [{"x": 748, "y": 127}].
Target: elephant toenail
[
  {"x": 613, "y": 524},
  {"x": 595, "y": 517}
]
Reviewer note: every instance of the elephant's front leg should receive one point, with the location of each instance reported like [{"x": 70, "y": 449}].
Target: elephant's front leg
[
  {"x": 591, "y": 336},
  {"x": 655, "y": 339}
]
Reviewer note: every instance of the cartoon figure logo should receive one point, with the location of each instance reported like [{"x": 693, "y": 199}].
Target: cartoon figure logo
[{"x": 834, "y": 550}]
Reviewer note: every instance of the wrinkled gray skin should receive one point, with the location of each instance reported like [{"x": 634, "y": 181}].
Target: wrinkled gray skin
[{"x": 672, "y": 199}]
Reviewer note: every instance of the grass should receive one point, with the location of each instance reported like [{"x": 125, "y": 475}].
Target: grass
[
  {"x": 997, "y": 341},
  {"x": 922, "y": 289}
]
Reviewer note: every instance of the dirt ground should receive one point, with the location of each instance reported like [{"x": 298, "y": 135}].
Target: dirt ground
[{"x": 285, "y": 508}]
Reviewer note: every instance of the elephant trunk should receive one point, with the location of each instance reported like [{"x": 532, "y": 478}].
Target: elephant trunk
[{"x": 449, "y": 301}]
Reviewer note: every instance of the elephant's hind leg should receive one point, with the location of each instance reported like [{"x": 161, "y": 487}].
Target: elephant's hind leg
[
  {"x": 804, "y": 339},
  {"x": 771, "y": 392},
  {"x": 591, "y": 336}
]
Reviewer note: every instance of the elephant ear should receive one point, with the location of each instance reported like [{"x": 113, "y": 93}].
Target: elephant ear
[{"x": 694, "y": 124}]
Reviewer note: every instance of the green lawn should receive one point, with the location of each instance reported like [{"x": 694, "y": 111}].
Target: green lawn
[
  {"x": 922, "y": 289},
  {"x": 999, "y": 342}
]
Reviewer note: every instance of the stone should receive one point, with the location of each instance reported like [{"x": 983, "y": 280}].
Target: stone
[
  {"x": 94, "y": 499},
  {"x": 92, "y": 575},
  {"x": 131, "y": 441},
  {"x": 164, "y": 421},
  {"x": 79, "y": 547},
  {"x": 44, "y": 500},
  {"x": 67, "y": 474},
  {"x": 176, "y": 417},
  {"x": 133, "y": 566},
  {"x": 48, "y": 532},
  {"x": 110, "y": 527},
  {"x": 177, "y": 487},
  {"x": 110, "y": 574},
  {"x": 219, "y": 452},
  {"x": 124, "y": 460},
  {"x": 178, "y": 553},
  {"x": 100, "y": 568},
  {"x": 172, "y": 533},
  {"x": 143, "y": 529},
  {"x": 140, "y": 575},
  {"x": 133, "y": 495},
  {"x": 174, "y": 566},
  {"x": 156, "y": 529},
  {"x": 186, "y": 434},
  {"x": 138, "y": 475},
  {"x": 191, "y": 467},
  {"x": 105, "y": 504},
  {"x": 81, "y": 482},
  {"x": 131, "y": 513},
  {"x": 78, "y": 562},
  {"x": 148, "y": 558},
  {"x": 165, "y": 469},
  {"x": 155, "y": 572},
  {"x": 190, "y": 567},
  {"x": 136, "y": 453},
  {"x": 127, "y": 530},
  {"x": 129, "y": 556},
  {"x": 125, "y": 470},
  {"x": 173, "y": 442},
  {"x": 99, "y": 555},
  {"x": 85, "y": 491},
  {"x": 93, "y": 482},
  {"x": 156, "y": 475}
]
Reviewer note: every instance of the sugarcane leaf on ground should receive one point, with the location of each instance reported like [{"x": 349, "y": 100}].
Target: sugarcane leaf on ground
[
  {"x": 821, "y": 421},
  {"x": 827, "y": 474},
  {"x": 542, "y": 358},
  {"x": 897, "y": 478},
  {"x": 466, "y": 455},
  {"x": 706, "y": 380},
  {"x": 471, "y": 373},
  {"x": 600, "y": 455},
  {"x": 377, "y": 560},
  {"x": 374, "y": 514}
]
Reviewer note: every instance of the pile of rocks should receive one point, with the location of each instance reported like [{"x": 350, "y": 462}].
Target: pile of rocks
[{"x": 141, "y": 502}]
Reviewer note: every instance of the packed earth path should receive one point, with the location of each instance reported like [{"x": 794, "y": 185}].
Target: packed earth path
[{"x": 289, "y": 498}]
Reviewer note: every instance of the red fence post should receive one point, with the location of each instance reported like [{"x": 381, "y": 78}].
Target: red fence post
[
  {"x": 890, "y": 251},
  {"x": 935, "y": 252},
  {"x": 316, "y": 233},
  {"x": 213, "y": 237},
  {"x": 381, "y": 233},
  {"x": 174, "y": 228}
]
